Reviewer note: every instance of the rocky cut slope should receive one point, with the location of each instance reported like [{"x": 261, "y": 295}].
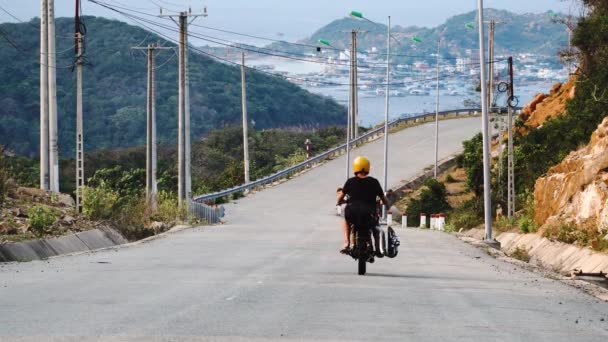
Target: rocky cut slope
[{"x": 576, "y": 190}]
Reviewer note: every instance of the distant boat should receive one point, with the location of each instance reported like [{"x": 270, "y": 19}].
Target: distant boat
[{"x": 419, "y": 92}]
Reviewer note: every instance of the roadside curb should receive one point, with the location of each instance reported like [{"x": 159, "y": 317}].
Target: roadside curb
[
  {"x": 589, "y": 288},
  {"x": 87, "y": 242}
]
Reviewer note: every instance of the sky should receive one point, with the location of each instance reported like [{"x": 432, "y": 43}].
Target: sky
[{"x": 290, "y": 19}]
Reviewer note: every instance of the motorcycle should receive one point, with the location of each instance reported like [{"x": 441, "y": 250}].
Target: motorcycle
[{"x": 364, "y": 250}]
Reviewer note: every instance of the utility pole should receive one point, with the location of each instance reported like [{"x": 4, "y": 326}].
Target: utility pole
[
  {"x": 79, "y": 132},
  {"x": 44, "y": 98},
  {"x": 386, "y": 112},
  {"x": 437, "y": 113},
  {"x": 151, "y": 186},
  {"x": 245, "y": 123},
  {"x": 510, "y": 161},
  {"x": 79, "y": 36},
  {"x": 151, "y": 146},
  {"x": 52, "y": 98},
  {"x": 49, "y": 154},
  {"x": 184, "y": 186},
  {"x": 492, "y": 26},
  {"x": 485, "y": 124}
]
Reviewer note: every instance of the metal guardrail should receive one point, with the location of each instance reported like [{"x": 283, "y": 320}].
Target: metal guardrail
[
  {"x": 334, "y": 152},
  {"x": 210, "y": 214}
]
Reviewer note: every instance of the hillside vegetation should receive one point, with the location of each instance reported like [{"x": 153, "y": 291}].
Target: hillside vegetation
[
  {"x": 115, "y": 91},
  {"x": 560, "y": 148}
]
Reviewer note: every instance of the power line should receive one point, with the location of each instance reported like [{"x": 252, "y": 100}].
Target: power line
[
  {"x": 28, "y": 22},
  {"x": 142, "y": 21},
  {"x": 101, "y": 3},
  {"x": 232, "y": 44}
]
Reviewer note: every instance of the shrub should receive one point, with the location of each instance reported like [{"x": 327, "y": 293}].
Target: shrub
[
  {"x": 3, "y": 177},
  {"x": 505, "y": 223},
  {"x": 570, "y": 233},
  {"x": 99, "y": 203},
  {"x": 168, "y": 210},
  {"x": 132, "y": 219},
  {"x": 473, "y": 164},
  {"x": 432, "y": 201},
  {"x": 466, "y": 216},
  {"x": 450, "y": 179},
  {"x": 526, "y": 225},
  {"x": 40, "y": 218},
  {"x": 521, "y": 253}
]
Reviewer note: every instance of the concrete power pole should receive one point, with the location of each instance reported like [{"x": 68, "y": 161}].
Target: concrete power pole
[
  {"x": 44, "y": 98},
  {"x": 245, "y": 122},
  {"x": 52, "y": 98},
  {"x": 485, "y": 125},
  {"x": 184, "y": 186},
  {"x": 151, "y": 149},
  {"x": 436, "y": 172},
  {"x": 79, "y": 132},
  {"x": 49, "y": 154},
  {"x": 352, "y": 105},
  {"x": 510, "y": 161},
  {"x": 492, "y": 25},
  {"x": 151, "y": 161}
]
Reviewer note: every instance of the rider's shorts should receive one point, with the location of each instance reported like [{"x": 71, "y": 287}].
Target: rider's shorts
[{"x": 360, "y": 215}]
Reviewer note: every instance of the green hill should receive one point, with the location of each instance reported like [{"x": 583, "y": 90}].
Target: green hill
[
  {"x": 515, "y": 33},
  {"x": 115, "y": 90}
]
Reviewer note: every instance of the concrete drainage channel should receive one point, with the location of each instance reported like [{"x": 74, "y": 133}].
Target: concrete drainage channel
[{"x": 80, "y": 242}]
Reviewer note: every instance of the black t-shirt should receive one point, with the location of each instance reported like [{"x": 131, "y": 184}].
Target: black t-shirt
[{"x": 363, "y": 190}]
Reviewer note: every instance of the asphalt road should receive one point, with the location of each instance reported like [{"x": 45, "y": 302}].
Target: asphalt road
[{"x": 273, "y": 272}]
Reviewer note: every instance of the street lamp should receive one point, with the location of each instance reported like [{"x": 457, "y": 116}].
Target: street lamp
[
  {"x": 484, "y": 120},
  {"x": 359, "y": 15},
  {"x": 348, "y": 120}
]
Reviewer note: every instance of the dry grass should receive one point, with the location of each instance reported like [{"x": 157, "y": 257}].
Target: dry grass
[{"x": 521, "y": 253}]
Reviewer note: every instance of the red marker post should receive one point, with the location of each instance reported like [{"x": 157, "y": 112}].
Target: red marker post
[{"x": 307, "y": 143}]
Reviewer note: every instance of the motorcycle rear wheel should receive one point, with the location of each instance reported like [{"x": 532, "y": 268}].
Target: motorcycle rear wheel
[{"x": 362, "y": 266}]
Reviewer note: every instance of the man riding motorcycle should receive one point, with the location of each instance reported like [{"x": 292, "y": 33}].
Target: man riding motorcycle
[{"x": 362, "y": 191}]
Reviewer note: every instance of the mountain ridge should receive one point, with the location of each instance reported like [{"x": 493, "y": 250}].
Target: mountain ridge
[{"x": 115, "y": 90}]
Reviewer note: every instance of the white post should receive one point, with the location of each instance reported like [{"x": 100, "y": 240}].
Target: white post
[
  {"x": 52, "y": 98},
  {"x": 244, "y": 107},
  {"x": 404, "y": 221},
  {"x": 44, "y": 98},
  {"x": 386, "y": 111},
  {"x": 389, "y": 219},
  {"x": 422, "y": 220},
  {"x": 485, "y": 125}
]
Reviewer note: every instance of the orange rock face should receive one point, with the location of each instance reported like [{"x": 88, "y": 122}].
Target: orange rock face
[
  {"x": 544, "y": 107},
  {"x": 576, "y": 190}
]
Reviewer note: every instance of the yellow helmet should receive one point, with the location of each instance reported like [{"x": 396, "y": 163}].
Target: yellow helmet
[{"x": 361, "y": 164}]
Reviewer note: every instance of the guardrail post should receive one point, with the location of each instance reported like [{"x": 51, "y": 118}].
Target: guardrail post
[
  {"x": 422, "y": 220},
  {"x": 404, "y": 221}
]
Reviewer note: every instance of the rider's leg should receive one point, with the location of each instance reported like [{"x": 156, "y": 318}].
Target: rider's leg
[{"x": 346, "y": 231}]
